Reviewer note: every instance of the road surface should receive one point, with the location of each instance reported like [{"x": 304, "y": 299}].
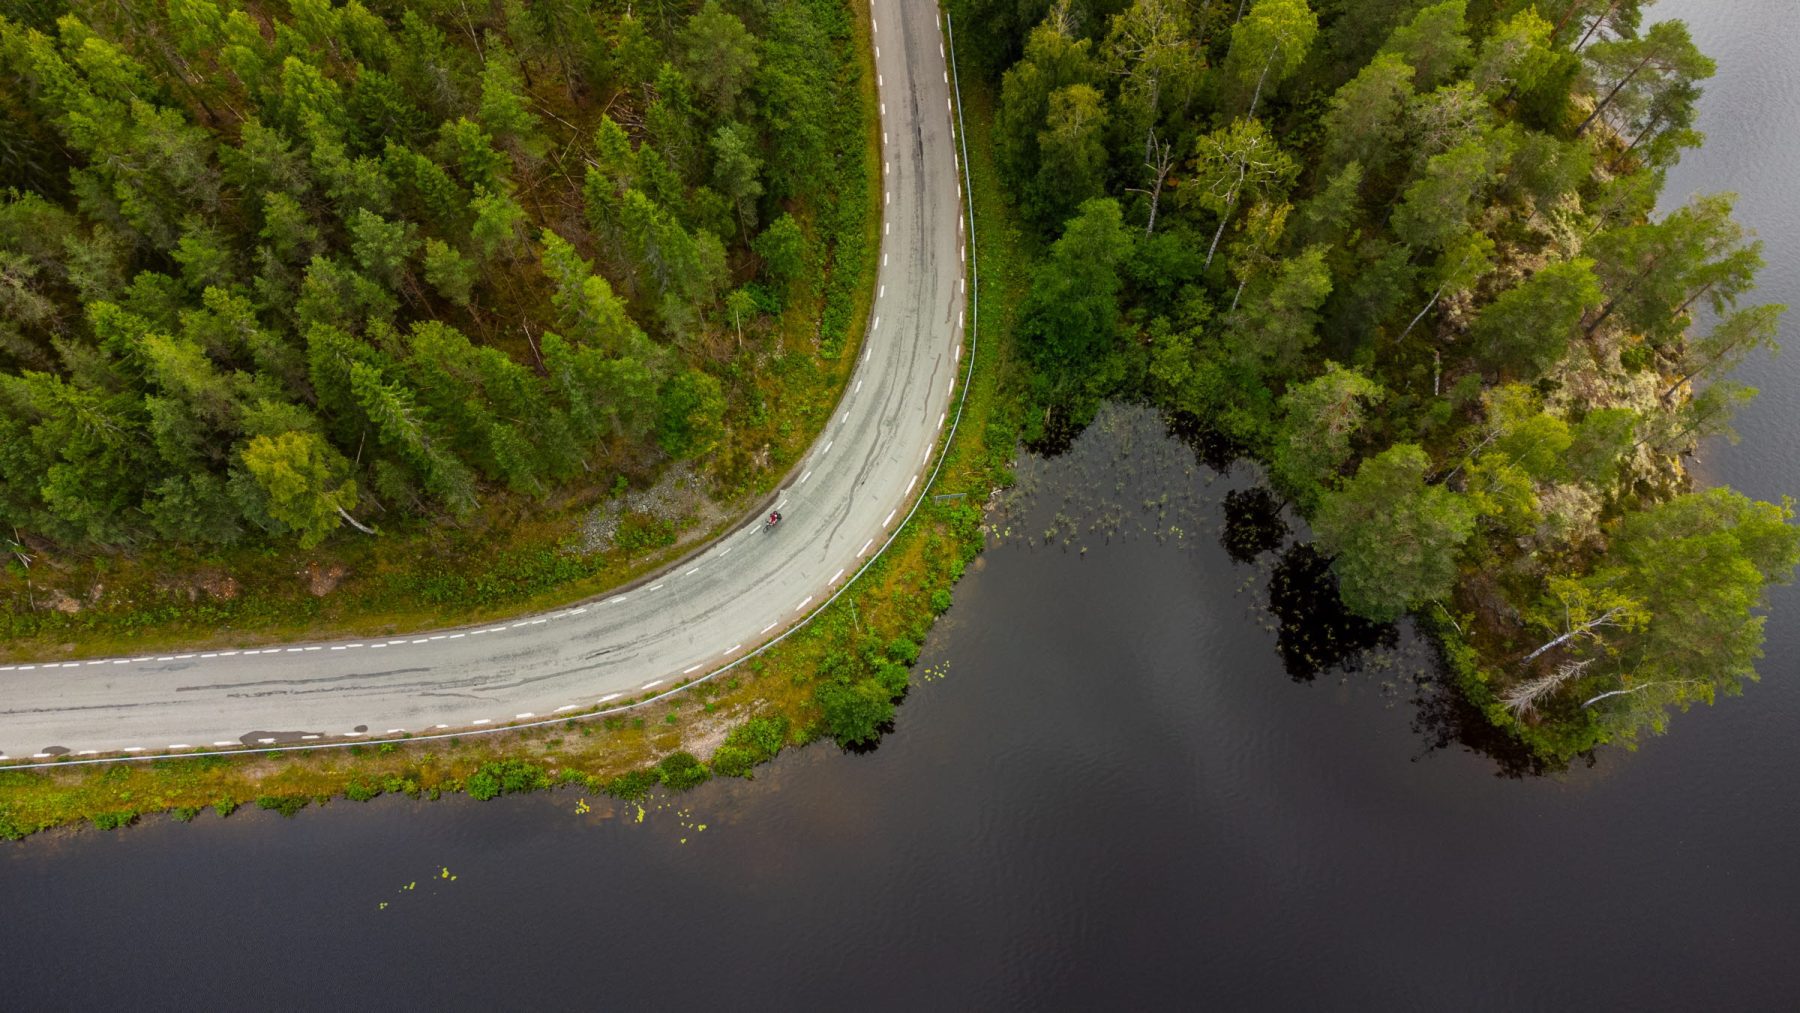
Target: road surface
[{"x": 855, "y": 485}]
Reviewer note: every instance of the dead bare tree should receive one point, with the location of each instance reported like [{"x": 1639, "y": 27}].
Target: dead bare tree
[
  {"x": 1639, "y": 689},
  {"x": 1615, "y": 616},
  {"x": 1522, "y": 699},
  {"x": 1161, "y": 163}
]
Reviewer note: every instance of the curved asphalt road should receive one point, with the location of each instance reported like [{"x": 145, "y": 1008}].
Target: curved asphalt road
[{"x": 854, "y": 487}]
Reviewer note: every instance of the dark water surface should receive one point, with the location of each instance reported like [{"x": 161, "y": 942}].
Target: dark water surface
[{"x": 1106, "y": 790}]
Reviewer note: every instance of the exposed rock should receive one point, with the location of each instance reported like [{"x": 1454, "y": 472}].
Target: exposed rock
[
  {"x": 63, "y": 603},
  {"x": 322, "y": 580},
  {"x": 678, "y": 497}
]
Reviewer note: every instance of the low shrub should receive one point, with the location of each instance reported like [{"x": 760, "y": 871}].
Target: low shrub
[
  {"x": 765, "y": 735},
  {"x": 113, "y": 820},
  {"x": 854, "y": 713},
  {"x": 682, "y": 770},
  {"x": 638, "y": 532},
  {"x": 904, "y": 650},
  {"x": 633, "y": 786},
  {"x": 286, "y": 805},
  {"x": 733, "y": 761},
  {"x": 505, "y": 777}
]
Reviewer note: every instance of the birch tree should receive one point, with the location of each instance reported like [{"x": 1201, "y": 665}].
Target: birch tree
[
  {"x": 1267, "y": 46},
  {"x": 1151, "y": 47},
  {"x": 1235, "y": 162}
]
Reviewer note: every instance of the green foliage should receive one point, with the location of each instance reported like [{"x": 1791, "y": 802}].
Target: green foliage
[
  {"x": 302, "y": 480},
  {"x": 112, "y": 820},
  {"x": 1049, "y": 98},
  {"x": 1267, "y": 46},
  {"x": 680, "y": 771},
  {"x": 1700, "y": 564},
  {"x": 505, "y": 777},
  {"x": 632, "y": 786},
  {"x": 287, "y": 805},
  {"x": 1528, "y": 327},
  {"x": 1394, "y": 536},
  {"x": 639, "y": 532},
  {"x": 1435, "y": 43},
  {"x": 1069, "y": 323},
  {"x": 692, "y": 420},
  {"x": 1319, "y": 420},
  {"x": 855, "y": 712}
]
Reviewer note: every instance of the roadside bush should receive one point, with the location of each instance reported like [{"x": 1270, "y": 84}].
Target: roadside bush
[
  {"x": 224, "y": 807},
  {"x": 358, "y": 791},
  {"x": 638, "y": 532},
  {"x": 505, "y": 777},
  {"x": 764, "y": 735},
  {"x": 733, "y": 761},
  {"x": 184, "y": 814},
  {"x": 10, "y": 830},
  {"x": 854, "y": 714},
  {"x": 893, "y": 678},
  {"x": 112, "y": 821},
  {"x": 753, "y": 742},
  {"x": 286, "y": 805},
  {"x": 397, "y": 785},
  {"x": 904, "y": 650},
  {"x": 940, "y": 601},
  {"x": 680, "y": 771},
  {"x": 633, "y": 786}
]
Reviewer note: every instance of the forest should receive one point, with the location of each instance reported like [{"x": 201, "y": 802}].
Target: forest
[
  {"x": 1408, "y": 254},
  {"x": 274, "y": 273}
]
